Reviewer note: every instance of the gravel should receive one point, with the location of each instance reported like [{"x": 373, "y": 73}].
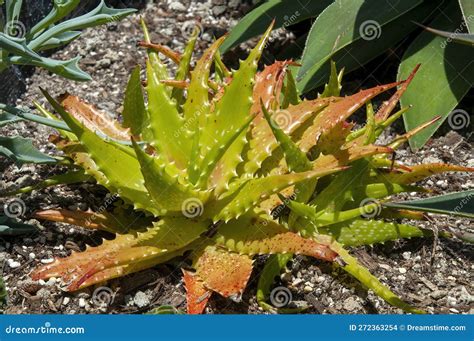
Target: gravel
[{"x": 436, "y": 278}]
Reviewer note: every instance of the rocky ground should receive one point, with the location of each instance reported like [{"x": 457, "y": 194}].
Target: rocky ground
[{"x": 433, "y": 276}]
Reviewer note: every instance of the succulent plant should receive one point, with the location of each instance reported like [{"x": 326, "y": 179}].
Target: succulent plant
[
  {"x": 206, "y": 164},
  {"x": 20, "y": 46}
]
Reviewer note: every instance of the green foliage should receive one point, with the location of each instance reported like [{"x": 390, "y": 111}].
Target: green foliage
[
  {"x": 369, "y": 29},
  {"x": 19, "y": 46},
  {"x": 456, "y": 204},
  {"x": 210, "y": 168}
]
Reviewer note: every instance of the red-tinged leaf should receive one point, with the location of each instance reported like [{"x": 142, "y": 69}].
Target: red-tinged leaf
[
  {"x": 338, "y": 112},
  {"x": 196, "y": 294},
  {"x": 263, "y": 142},
  {"x": 252, "y": 235},
  {"x": 224, "y": 272},
  {"x": 346, "y": 156},
  {"x": 115, "y": 223},
  {"x": 93, "y": 119},
  {"x": 387, "y": 107},
  {"x": 267, "y": 89},
  {"x": 420, "y": 172}
]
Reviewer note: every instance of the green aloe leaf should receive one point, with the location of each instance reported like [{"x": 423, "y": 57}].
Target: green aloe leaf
[
  {"x": 462, "y": 38},
  {"x": 11, "y": 227},
  {"x": 134, "y": 112},
  {"x": 364, "y": 22},
  {"x": 467, "y": 8},
  {"x": 285, "y": 13},
  {"x": 446, "y": 70},
  {"x": 459, "y": 204},
  {"x": 60, "y": 40},
  {"x": 60, "y": 10},
  {"x": 21, "y": 150}
]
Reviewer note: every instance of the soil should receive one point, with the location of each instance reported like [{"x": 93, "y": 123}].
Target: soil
[{"x": 433, "y": 276}]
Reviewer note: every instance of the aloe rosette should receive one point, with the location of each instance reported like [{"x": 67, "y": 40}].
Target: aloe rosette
[{"x": 204, "y": 164}]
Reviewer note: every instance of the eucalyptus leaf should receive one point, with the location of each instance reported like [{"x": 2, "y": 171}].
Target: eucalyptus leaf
[{"x": 457, "y": 204}]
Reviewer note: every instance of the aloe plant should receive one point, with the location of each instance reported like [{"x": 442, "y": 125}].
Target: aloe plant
[
  {"x": 370, "y": 28},
  {"x": 211, "y": 161}
]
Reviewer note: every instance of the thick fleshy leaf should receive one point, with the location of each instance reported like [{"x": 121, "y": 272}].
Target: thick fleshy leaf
[
  {"x": 420, "y": 172},
  {"x": 257, "y": 21},
  {"x": 231, "y": 110},
  {"x": 196, "y": 294},
  {"x": 125, "y": 254},
  {"x": 224, "y": 272},
  {"x": 111, "y": 222},
  {"x": 458, "y": 204},
  {"x": 92, "y": 118},
  {"x": 368, "y": 232},
  {"x": 184, "y": 67},
  {"x": 329, "y": 34},
  {"x": 251, "y": 235},
  {"x": 61, "y": 179},
  {"x": 162, "y": 182},
  {"x": 113, "y": 166},
  {"x": 446, "y": 70},
  {"x": 263, "y": 142},
  {"x": 256, "y": 190},
  {"x": 21, "y": 150},
  {"x": 10, "y": 227},
  {"x": 353, "y": 267},
  {"x": 467, "y": 9},
  {"x": 135, "y": 115},
  {"x": 461, "y": 38},
  {"x": 165, "y": 122},
  {"x": 338, "y": 112}
]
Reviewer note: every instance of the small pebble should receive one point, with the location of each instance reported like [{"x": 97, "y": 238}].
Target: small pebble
[
  {"x": 402, "y": 270},
  {"x": 307, "y": 289},
  {"x": 66, "y": 300},
  {"x": 82, "y": 303},
  {"x": 13, "y": 264},
  {"x": 47, "y": 260}
]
